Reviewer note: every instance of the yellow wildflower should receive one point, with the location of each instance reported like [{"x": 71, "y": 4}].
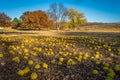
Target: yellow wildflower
[
  {"x": 81, "y": 53},
  {"x": 37, "y": 66},
  {"x": 30, "y": 62},
  {"x": 11, "y": 52},
  {"x": 19, "y": 52},
  {"x": 61, "y": 59},
  {"x": 20, "y": 72},
  {"x": 97, "y": 56},
  {"x": 34, "y": 53},
  {"x": 95, "y": 72},
  {"x": 117, "y": 68},
  {"x": 39, "y": 49},
  {"x": 97, "y": 62},
  {"x": 52, "y": 52},
  {"x": 60, "y": 63},
  {"x": 1, "y": 55},
  {"x": 71, "y": 62},
  {"x": 53, "y": 61},
  {"x": 26, "y": 70},
  {"x": 16, "y": 59},
  {"x": 25, "y": 57},
  {"x": 92, "y": 57},
  {"x": 33, "y": 76},
  {"x": 45, "y": 65}
]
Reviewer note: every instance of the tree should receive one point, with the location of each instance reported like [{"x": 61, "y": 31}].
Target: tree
[
  {"x": 57, "y": 13},
  {"x": 5, "y": 21},
  {"x": 36, "y": 19},
  {"x": 16, "y": 23},
  {"x": 76, "y": 18}
]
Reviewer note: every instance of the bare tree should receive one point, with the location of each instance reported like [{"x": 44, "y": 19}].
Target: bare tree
[{"x": 57, "y": 12}]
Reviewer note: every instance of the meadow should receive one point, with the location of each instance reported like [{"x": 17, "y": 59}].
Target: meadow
[
  {"x": 59, "y": 40},
  {"x": 86, "y": 56}
]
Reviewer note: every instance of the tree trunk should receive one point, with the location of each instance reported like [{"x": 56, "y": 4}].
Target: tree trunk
[
  {"x": 58, "y": 27},
  {"x": 75, "y": 29}
]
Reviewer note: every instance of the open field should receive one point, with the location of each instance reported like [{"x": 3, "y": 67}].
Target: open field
[
  {"x": 59, "y": 33},
  {"x": 98, "y": 29},
  {"x": 59, "y": 40},
  {"x": 59, "y": 55},
  {"x": 59, "y": 58}
]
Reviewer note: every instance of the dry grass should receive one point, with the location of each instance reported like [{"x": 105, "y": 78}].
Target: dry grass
[{"x": 90, "y": 29}]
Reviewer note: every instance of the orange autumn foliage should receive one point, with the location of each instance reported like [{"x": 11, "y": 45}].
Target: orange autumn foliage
[
  {"x": 5, "y": 21},
  {"x": 36, "y": 19}
]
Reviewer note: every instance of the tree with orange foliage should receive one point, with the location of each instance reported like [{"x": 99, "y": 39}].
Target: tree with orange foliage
[
  {"x": 36, "y": 20},
  {"x": 5, "y": 21}
]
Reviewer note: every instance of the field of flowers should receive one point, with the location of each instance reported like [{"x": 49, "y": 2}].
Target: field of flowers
[{"x": 59, "y": 58}]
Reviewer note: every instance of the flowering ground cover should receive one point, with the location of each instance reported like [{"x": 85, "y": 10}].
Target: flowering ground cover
[{"x": 59, "y": 58}]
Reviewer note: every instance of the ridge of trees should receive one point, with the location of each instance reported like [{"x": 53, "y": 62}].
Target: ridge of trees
[{"x": 57, "y": 17}]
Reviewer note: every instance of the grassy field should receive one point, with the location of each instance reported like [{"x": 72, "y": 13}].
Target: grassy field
[{"x": 59, "y": 55}]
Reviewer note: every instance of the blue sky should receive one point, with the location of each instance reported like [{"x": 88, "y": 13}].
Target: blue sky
[{"x": 94, "y": 10}]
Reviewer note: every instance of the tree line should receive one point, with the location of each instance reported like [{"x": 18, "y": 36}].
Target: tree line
[{"x": 56, "y": 17}]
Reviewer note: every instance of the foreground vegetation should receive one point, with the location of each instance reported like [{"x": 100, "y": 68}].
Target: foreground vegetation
[{"x": 59, "y": 58}]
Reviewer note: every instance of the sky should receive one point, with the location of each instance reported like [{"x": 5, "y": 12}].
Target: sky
[{"x": 106, "y": 11}]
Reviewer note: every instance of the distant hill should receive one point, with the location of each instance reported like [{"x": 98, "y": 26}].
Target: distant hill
[{"x": 101, "y": 27}]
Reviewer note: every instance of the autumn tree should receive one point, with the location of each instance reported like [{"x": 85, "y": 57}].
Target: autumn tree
[
  {"x": 76, "y": 18},
  {"x": 5, "y": 21},
  {"x": 36, "y": 19},
  {"x": 57, "y": 12},
  {"x": 16, "y": 23}
]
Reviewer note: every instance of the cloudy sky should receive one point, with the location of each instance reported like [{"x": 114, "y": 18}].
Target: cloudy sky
[{"x": 94, "y": 10}]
